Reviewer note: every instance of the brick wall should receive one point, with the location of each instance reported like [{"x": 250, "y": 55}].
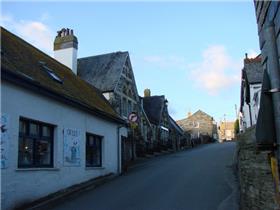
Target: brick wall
[{"x": 256, "y": 182}]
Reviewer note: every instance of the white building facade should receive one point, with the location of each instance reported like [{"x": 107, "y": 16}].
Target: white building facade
[
  {"x": 251, "y": 87},
  {"x": 51, "y": 141}
]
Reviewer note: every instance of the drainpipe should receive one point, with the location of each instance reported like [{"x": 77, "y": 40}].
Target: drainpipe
[
  {"x": 119, "y": 149},
  {"x": 250, "y": 113},
  {"x": 274, "y": 77}
]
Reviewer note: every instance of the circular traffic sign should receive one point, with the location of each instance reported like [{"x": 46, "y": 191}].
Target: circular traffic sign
[{"x": 133, "y": 117}]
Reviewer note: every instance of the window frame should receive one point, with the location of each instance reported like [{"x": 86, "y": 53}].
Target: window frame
[
  {"x": 96, "y": 137},
  {"x": 27, "y": 135}
]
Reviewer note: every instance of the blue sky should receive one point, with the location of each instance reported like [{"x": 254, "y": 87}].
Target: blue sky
[{"x": 191, "y": 52}]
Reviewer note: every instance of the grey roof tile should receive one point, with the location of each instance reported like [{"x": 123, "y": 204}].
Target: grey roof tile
[
  {"x": 102, "y": 71},
  {"x": 153, "y": 106}
]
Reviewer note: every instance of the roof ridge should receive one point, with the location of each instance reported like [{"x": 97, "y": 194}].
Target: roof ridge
[
  {"x": 104, "y": 54},
  {"x": 34, "y": 47}
]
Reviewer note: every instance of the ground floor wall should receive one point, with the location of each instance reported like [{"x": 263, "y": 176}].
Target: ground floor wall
[
  {"x": 23, "y": 185},
  {"x": 255, "y": 174}
]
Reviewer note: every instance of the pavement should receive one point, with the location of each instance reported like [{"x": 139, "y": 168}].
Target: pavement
[{"x": 195, "y": 179}]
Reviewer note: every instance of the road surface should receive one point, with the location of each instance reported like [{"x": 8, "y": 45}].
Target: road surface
[{"x": 195, "y": 179}]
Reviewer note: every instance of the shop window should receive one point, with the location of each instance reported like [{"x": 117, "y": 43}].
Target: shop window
[
  {"x": 35, "y": 148},
  {"x": 93, "y": 150}
]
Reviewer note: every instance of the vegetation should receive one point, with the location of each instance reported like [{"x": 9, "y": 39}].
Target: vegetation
[{"x": 236, "y": 126}]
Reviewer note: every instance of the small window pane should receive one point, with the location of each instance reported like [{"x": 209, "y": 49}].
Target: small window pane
[
  {"x": 25, "y": 151},
  {"x": 43, "y": 152},
  {"x": 33, "y": 129},
  {"x": 46, "y": 131},
  {"x": 22, "y": 127},
  {"x": 91, "y": 141}
]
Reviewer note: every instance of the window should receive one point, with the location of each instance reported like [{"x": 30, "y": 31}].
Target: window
[
  {"x": 129, "y": 107},
  {"x": 93, "y": 150},
  {"x": 50, "y": 72},
  {"x": 35, "y": 148},
  {"x": 124, "y": 107}
]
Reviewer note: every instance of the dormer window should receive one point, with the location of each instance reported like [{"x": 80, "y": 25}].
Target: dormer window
[
  {"x": 55, "y": 77},
  {"x": 50, "y": 72}
]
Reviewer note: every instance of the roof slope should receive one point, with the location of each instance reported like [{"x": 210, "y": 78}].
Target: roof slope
[
  {"x": 253, "y": 70},
  {"x": 153, "y": 106},
  {"x": 102, "y": 71},
  {"x": 24, "y": 61},
  {"x": 175, "y": 125},
  {"x": 199, "y": 112}
]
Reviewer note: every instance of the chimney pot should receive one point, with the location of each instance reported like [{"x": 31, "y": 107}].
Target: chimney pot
[{"x": 147, "y": 92}]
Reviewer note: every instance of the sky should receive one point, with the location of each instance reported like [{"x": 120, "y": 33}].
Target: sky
[{"x": 191, "y": 52}]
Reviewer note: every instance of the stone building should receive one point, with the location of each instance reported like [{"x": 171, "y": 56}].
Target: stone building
[
  {"x": 157, "y": 112},
  {"x": 226, "y": 131},
  {"x": 251, "y": 84},
  {"x": 199, "y": 125},
  {"x": 112, "y": 74},
  {"x": 56, "y": 129}
]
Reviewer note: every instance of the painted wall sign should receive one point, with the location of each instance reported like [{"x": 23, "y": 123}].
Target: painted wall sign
[
  {"x": 4, "y": 141},
  {"x": 72, "y": 141}
]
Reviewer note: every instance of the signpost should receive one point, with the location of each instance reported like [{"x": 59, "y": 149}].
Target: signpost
[{"x": 133, "y": 118}]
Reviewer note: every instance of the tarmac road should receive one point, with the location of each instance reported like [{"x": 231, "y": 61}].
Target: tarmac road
[{"x": 194, "y": 179}]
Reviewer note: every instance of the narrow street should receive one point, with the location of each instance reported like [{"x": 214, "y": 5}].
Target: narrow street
[{"x": 194, "y": 179}]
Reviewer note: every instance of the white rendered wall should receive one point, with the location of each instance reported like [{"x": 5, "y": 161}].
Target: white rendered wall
[
  {"x": 256, "y": 88},
  {"x": 246, "y": 115},
  {"x": 68, "y": 57},
  {"x": 24, "y": 185}
]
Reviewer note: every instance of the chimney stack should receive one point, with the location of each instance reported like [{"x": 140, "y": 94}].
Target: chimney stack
[
  {"x": 147, "y": 93},
  {"x": 66, "y": 48}
]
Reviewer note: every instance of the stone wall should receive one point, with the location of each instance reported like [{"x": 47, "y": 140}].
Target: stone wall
[{"x": 255, "y": 177}]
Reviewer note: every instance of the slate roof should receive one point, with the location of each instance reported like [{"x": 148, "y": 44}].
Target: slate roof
[
  {"x": 102, "y": 71},
  {"x": 252, "y": 73},
  {"x": 22, "y": 64},
  {"x": 253, "y": 70},
  {"x": 153, "y": 106}
]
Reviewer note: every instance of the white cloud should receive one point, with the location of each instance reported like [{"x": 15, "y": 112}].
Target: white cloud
[
  {"x": 252, "y": 53},
  {"x": 35, "y": 32},
  {"x": 216, "y": 71}
]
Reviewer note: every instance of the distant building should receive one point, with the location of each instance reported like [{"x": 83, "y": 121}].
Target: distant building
[
  {"x": 200, "y": 125},
  {"x": 156, "y": 109},
  {"x": 251, "y": 85},
  {"x": 226, "y": 131}
]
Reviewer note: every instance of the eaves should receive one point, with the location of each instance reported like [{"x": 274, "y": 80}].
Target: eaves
[{"x": 36, "y": 87}]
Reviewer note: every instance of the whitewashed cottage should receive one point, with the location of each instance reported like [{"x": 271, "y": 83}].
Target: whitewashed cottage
[
  {"x": 56, "y": 129},
  {"x": 251, "y": 87}
]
